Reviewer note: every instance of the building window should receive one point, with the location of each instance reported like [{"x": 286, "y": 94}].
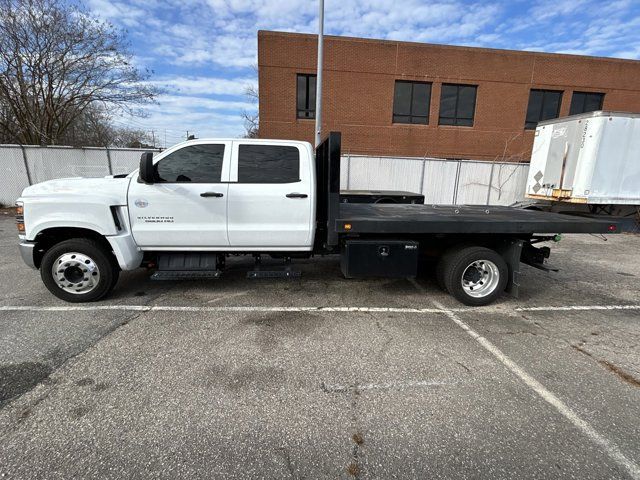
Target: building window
[
  {"x": 268, "y": 164},
  {"x": 457, "y": 104},
  {"x": 543, "y": 105},
  {"x": 582, "y": 102},
  {"x": 306, "y": 96},
  {"x": 411, "y": 102}
]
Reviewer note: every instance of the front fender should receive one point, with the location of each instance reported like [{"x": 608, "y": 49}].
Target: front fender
[
  {"x": 39, "y": 216},
  {"x": 95, "y": 217}
]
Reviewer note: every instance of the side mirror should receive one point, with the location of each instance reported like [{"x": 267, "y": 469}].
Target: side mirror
[{"x": 146, "y": 172}]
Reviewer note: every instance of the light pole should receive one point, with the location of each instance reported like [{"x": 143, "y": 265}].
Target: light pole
[{"x": 319, "y": 72}]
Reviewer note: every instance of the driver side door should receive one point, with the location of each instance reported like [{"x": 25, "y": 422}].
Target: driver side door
[{"x": 186, "y": 206}]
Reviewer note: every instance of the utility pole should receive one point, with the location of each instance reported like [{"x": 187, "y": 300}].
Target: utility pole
[{"x": 319, "y": 72}]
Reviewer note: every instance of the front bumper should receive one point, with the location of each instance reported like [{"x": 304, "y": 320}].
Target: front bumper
[{"x": 26, "y": 252}]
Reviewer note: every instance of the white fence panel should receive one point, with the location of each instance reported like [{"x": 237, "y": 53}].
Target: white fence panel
[
  {"x": 125, "y": 161},
  {"x": 509, "y": 183},
  {"x": 473, "y": 183},
  {"x": 385, "y": 173},
  {"x": 95, "y": 160},
  {"x": 13, "y": 176},
  {"x": 61, "y": 162},
  {"x": 439, "y": 181},
  {"x": 345, "y": 168}
]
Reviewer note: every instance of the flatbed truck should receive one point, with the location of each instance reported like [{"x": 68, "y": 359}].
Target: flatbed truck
[{"x": 186, "y": 210}]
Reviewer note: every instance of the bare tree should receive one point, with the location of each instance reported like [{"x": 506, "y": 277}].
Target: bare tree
[
  {"x": 251, "y": 119},
  {"x": 130, "y": 138},
  {"x": 251, "y": 124},
  {"x": 56, "y": 64},
  {"x": 94, "y": 127},
  {"x": 91, "y": 128}
]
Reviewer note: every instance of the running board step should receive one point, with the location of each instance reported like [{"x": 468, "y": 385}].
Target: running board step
[
  {"x": 186, "y": 274},
  {"x": 285, "y": 273}
]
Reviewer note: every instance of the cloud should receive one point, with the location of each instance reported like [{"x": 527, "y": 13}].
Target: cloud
[
  {"x": 203, "y": 85},
  {"x": 178, "y": 103},
  {"x": 126, "y": 14},
  {"x": 549, "y": 9}
]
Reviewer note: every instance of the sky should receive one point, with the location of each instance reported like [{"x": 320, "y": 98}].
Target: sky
[{"x": 203, "y": 53}]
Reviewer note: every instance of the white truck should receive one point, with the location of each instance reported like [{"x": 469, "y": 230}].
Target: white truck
[{"x": 188, "y": 208}]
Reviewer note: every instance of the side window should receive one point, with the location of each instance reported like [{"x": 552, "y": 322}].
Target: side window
[
  {"x": 582, "y": 102},
  {"x": 543, "y": 105},
  {"x": 306, "y": 96},
  {"x": 457, "y": 104},
  {"x": 411, "y": 102},
  {"x": 195, "y": 164},
  {"x": 268, "y": 164}
]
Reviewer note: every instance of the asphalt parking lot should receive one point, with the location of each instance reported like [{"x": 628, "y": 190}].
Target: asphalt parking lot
[{"x": 321, "y": 377}]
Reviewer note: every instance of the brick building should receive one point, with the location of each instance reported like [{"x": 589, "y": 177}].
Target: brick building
[{"x": 412, "y": 99}]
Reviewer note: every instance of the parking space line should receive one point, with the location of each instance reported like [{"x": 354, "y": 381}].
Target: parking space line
[
  {"x": 607, "y": 445},
  {"x": 178, "y": 308},
  {"x": 566, "y": 308}
]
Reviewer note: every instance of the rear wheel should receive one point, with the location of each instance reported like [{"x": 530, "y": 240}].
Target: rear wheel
[
  {"x": 473, "y": 275},
  {"x": 79, "y": 270}
]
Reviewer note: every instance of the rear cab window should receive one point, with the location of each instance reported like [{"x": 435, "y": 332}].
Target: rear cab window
[{"x": 268, "y": 163}]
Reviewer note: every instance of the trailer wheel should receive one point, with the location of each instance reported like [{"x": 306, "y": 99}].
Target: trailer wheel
[
  {"x": 473, "y": 275},
  {"x": 79, "y": 270}
]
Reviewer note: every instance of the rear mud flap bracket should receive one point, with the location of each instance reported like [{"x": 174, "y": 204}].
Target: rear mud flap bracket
[{"x": 511, "y": 251}]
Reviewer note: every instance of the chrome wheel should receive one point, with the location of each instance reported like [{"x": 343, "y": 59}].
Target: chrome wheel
[
  {"x": 480, "y": 278},
  {"x": 75, "y": 273}
]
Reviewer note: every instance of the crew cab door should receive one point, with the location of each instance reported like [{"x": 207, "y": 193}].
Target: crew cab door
[
  {"x": 186, "y": 206},
  {"x": 271, "y": 196}
]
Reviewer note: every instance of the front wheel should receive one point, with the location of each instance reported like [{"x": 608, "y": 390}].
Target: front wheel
[
  {"x": 79, "y": 270},
  {"x": 473, "y": 275}
]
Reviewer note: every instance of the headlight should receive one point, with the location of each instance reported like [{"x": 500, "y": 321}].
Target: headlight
[{"x": 20, "y": 217}]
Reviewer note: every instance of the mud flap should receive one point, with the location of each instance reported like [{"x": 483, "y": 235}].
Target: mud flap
[{"x": 511, "y": 251}]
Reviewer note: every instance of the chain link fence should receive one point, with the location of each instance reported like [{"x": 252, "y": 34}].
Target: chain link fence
[
  {"x": 440, "y": 181},
  {"x": 21, "y": 166}
]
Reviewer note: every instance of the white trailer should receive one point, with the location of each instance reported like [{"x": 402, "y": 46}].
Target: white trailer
[{"x": 591, "y": 159}]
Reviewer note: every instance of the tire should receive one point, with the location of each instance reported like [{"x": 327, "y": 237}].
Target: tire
[
  {"x": 87, "y": 270},
  {"x": 445, "y": 259},
  {"x": 475, "y": 276}
]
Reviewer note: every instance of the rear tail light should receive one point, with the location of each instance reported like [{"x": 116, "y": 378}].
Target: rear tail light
[{"x": 612, "y": 228}]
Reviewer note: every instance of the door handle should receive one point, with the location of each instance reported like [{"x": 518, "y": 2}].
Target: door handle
[
  {"x": 211, "y": 194},
  {"x": 297, "y": 195}
]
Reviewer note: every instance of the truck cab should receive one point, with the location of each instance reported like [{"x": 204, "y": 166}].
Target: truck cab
[{"x": 231, "y": 195}]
